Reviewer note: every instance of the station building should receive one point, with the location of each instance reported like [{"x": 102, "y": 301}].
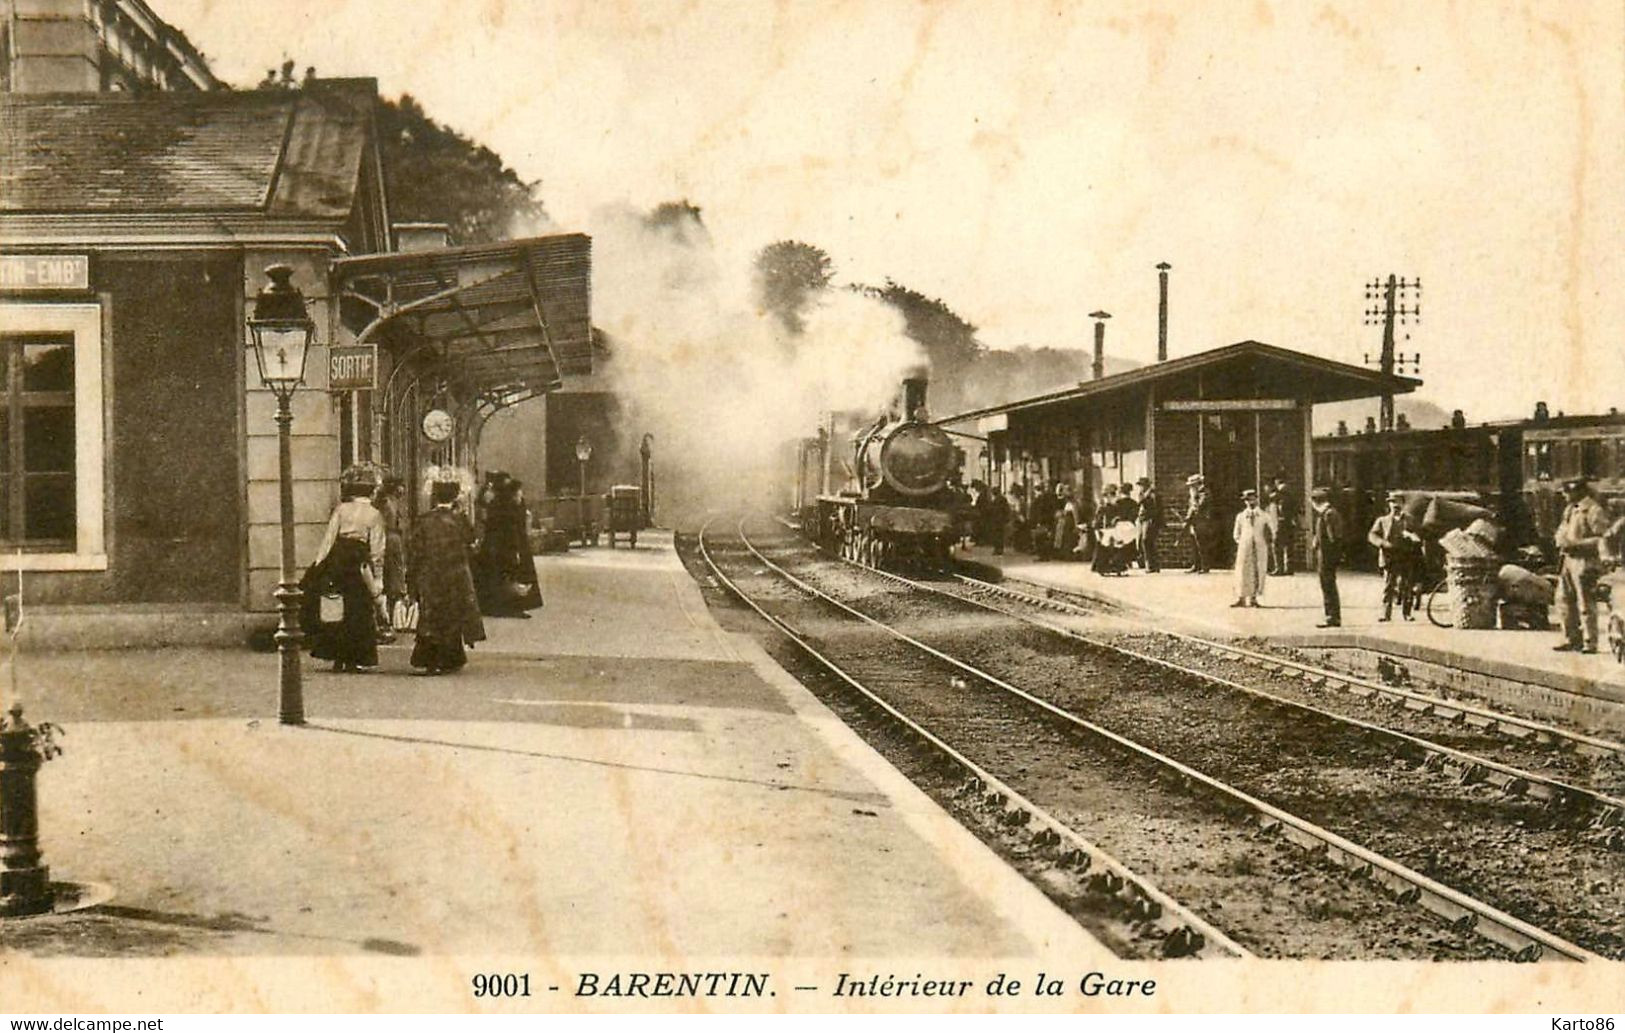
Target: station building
[
  {"x": 60, "y": 46},
  {"x": 138, "y": 475},
  {"x": 1237, "y": 415}
]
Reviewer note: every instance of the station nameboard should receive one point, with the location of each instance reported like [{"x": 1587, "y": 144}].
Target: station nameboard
[
  {"x": 45, "y": 272},
  {"x": 352, "y": 368}
]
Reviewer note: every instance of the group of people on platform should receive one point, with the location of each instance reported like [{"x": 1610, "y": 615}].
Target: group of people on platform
[
  {"x": 442, "y": 578},
  {"x": 1115, "y": 533},
  {"x": 1124, "y": 526}
]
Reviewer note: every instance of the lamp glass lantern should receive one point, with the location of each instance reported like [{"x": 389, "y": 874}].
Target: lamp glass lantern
[
  {"x": 583, "y": 449},
  {"x": 282, "y": 332}
]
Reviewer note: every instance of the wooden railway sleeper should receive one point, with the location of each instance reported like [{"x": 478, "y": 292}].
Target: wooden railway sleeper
[
  {"x": 1182, "y": 942},
  {"x": 1106, "y": 884}
]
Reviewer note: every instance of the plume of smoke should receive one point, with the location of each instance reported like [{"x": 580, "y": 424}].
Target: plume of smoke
[{"x": 724, "y": 388}]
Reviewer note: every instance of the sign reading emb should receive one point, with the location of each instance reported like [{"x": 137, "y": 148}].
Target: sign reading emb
[
  {"x": 44, "y": 272},
  {"x": 352, "y": 368}
]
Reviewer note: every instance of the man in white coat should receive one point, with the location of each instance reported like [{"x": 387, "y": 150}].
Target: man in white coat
[{"x": 1253, "y": 534}]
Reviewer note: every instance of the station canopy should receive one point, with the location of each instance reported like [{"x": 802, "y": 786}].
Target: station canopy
[
  {"x": 1251, "y": 368},
  {"x": 502, "y": 321}
]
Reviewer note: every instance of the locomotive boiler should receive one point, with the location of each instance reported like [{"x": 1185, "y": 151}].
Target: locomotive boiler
[{"x": 901, "y": 503}]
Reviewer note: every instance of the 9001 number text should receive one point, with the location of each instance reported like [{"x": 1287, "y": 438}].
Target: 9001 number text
[{"x": 502, "y": 984}]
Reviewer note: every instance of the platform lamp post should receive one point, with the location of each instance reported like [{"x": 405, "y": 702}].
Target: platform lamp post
[
  {"x": 646, "y": 453},
  {"x": 283, "y": 332},
  {"x": 583, "y": 453}
]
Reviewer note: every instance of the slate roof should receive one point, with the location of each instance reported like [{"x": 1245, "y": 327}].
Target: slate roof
[{"x": 283, "y": 153}]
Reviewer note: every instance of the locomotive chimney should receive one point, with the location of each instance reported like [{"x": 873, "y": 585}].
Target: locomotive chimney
[
  {"x": 913, "y": 395},
  {"x": 1162, "y": 311},
  {"x": 1098, "y": 369}
]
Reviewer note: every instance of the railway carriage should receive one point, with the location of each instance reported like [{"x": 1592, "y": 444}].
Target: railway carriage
[{"x": 1515, "y": 468}]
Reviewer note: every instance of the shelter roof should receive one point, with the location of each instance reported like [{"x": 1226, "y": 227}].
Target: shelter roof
[
  {"x": 501, "y": 317},
  {"x": 1316, "y": 379},
  {"x": 293, "y": 153}
]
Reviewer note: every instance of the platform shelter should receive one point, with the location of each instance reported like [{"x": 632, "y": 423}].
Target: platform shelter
[{"x": 1237, "y": 415}]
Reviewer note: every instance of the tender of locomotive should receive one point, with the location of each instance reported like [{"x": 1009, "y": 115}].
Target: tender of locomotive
[{"x": 899, "y": 505}]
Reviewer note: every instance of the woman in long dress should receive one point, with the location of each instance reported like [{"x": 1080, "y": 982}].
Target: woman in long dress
[
  {"x": 437, "y": 570},
  {"x": 1252, "y": 534},
  {"x": 388, "y": 504},
  {"x": 1105, "y": 523},
  {"x": 347, "y": 565},
  {"x": 505, "y": 571},
  {"x": 1066, "y": 524}
]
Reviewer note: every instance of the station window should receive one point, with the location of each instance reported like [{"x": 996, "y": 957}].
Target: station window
[
  {"x": 50, "y": 437},
  {"x": 1540, "y": 459},
  {"x": 1591, "y": 457}
]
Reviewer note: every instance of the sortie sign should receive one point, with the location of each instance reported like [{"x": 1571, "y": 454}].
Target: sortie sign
[
  {"x": 352, "y": 368},
  {"x": 44, "y": 272}
]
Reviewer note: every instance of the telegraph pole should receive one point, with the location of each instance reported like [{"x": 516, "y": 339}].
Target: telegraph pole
[{"x": 1388, "y": 306}]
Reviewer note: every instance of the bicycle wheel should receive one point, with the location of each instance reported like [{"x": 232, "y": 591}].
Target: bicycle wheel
[{"x": 1438, "y": 607}]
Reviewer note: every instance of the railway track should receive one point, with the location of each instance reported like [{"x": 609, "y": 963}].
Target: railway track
[
  {"x": 1468, "y": 715},
  {"x": 1195, "y": 835},
  {"x": 1547, "y": 853},
  {"x": 1533, "y": 749}
]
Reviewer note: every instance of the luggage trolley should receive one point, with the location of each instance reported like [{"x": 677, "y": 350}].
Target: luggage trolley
[{"x": 623, "y": 512}]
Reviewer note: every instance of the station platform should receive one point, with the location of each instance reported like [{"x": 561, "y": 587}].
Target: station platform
[
  {"x": 617, "y": 777},
  {"x": 1518, "y": 668}
]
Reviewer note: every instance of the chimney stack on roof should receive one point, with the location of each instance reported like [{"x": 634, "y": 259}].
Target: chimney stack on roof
[
  {"x": 1162, "y": 311},
  {"x": 1098, "y": 369}
]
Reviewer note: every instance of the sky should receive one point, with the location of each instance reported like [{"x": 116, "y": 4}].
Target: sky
[{"x": 1030, "y": 163}]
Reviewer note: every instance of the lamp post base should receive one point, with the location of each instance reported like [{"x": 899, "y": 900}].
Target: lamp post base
[
  {"x": 25, "y": 884},
  {"x": 291, "y": 696}
]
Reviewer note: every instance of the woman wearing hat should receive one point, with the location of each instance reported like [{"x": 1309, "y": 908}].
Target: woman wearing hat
[
  {"x": 505, "y": 571},
  {"x": 351, "y": 554},
  {"x": 1252, "y": 534},
  {"x": 437, "y": 569}
]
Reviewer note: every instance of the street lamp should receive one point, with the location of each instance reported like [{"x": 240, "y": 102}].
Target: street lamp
[
  {"x": 282, "y": 332},
  {"x": 646, "y": 452},
  {"x": 583, "y": 453}
]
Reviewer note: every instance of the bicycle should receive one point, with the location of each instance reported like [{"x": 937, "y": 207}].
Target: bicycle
[{"x": 1438, "y": 608}]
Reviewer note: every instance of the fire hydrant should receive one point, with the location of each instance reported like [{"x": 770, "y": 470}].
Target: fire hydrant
[{"x": 25, "y": 886}]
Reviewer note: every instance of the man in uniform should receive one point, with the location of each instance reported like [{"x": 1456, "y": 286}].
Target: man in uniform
[
  {"x": 1398, "y": 549},
  {"x": 1579, "y": 540},
  {"x": 1148, "y": 517},
  {"x": 1284, "y": 509},
  {"x": 1198, "y": 520},
  {"x": 1326, "y": 542}
]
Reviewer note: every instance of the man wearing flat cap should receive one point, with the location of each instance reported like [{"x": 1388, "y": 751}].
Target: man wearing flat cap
[
  {"x": 1198, "y": 519},
  {"x": 1579, "y": 540},
  {"x": 1148, "y": 519},
  {"x": 1399, "y": 549},
  {"x": 1326, "y": 542}
]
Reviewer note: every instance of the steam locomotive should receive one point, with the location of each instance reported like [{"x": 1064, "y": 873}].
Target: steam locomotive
[{"x": 900, "y": 503}]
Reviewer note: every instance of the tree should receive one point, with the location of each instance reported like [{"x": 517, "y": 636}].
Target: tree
[
  {"x": 435, "y": 174},
  {"x": 788, "y": 274}
]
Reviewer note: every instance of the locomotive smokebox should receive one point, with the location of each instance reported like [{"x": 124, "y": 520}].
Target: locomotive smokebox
[{"x": 914, "y": 395}]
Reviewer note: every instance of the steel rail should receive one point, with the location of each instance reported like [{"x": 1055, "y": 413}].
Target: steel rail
[
  {"x": 1510, "y": 725},
  {"x": 1608, "y": 812},
  {"x": 1528, "y": 942},
  {"x": 1182, "y": 932}
]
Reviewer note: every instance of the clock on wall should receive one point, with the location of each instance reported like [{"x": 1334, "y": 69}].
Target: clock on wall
[{"x": 437, "y": 425}]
